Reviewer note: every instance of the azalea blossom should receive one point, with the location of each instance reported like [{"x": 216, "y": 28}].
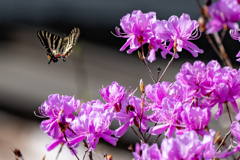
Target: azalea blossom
[
  {"x": 113, "y": 95},
  {"x": 146, "y": 152},
  {"x": 137, "y": 28},
  {"x": 180, "y": 30},
  {"x": 59, "y": 111},
  {"x": 167, "y": 117},
  {"x": 223, "y": 12},
  {"x": 130, "y": 114},
  {"x": 92, "y": 127},
  {"x": 188, "y": 147}
]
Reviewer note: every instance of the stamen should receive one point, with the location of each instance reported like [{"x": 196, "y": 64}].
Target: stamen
[
  {"x": 38, "y": 115},
  {"x": 133, "y": 92}
]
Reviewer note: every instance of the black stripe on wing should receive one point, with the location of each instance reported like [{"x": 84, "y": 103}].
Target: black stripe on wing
[
  {"x": 73, "y": 36},
  {"x": 49, "y": 40},
  {"x": 72, "y": 39}
]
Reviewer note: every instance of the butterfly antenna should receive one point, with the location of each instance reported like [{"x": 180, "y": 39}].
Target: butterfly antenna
[{"x": 64, "y": 35}]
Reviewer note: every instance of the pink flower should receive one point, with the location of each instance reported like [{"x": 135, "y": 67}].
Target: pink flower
[
  {"x": 137, "y": 28},
  {"x": 129, "y": 114},
  {"x": 180, "y": 29},
  {"x": 195, "y": 119},
  {"x": 194, "y": 78},
  {"x": 93, "y": 127},
  {"x": 223, "y": 12},
  {"x": 157, "y": 92},
  {"x": 146, "y": 152},
  {"x": 167, "y": 117},
  {"x": 188, "y": 147},
  {"x": 113, "y": 95},
  {"x": 59, "y": 109}
]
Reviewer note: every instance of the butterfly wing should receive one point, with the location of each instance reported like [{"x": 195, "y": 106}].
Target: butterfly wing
[
  {"x": 69, "y": 42},
  {"x": 52, "y": 43}
]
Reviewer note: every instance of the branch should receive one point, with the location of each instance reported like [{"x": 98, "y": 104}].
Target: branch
[{"x": 225, "y": 137}]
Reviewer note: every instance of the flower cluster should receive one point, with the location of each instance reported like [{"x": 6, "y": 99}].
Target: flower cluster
[
  {"x": 182, "y": 108},
  {"x": 224, "y": 13},
  {"x": 141, "y": 28},
  {"x": 186, "y": 146}
]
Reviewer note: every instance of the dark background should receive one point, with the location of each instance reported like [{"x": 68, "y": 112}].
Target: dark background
[{"x": 26, "y": 78}]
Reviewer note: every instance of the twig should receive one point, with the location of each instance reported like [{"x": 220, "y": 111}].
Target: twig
[
  {"x": 90, "y": 153},
  {"x": 70, "y": 147},
  {"x": 175, "y": 51},
  {"x": 238, "y": 156},
  {"x": 140, "y": 119},
  {"x": 215, "y": 49},
  {"x": 145, "y": 63},
  {"x": 223, "y": 33},
  {"x": 223, "y": 140},
  {"x": 73, "y": 152},
  {"x": 150, "y": 134},
  {"x": 199, "y": 5},
  {"x": 85, "y": 153},
  {"x": 222, "y": 55},
  {"x": 157, "y": 138},
  {"x": 229, "y": 113},
  {"x": 158, "y": 71},
  {"x": 59, "y": 151},
  {"x": 222, "y": 49},
  {"x": 135, "y": 133}
]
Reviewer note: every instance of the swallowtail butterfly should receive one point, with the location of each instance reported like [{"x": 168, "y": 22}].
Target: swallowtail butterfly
[{"x": 58, "y": 47}]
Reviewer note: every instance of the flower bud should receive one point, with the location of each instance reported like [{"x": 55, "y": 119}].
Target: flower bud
[{"x": 142, "y": 87}]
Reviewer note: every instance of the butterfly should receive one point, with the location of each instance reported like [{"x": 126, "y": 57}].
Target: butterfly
[{"x": 58, "y": 47}]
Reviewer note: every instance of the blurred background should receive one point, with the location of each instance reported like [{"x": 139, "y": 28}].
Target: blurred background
[{"x": 27, "y": 79}]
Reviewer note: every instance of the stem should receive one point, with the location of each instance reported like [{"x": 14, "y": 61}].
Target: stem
[
  {"x": 150, "y": 134},
  {"x": 135, "y": 133},
  {"x": 229, "y": 113},
  {"x": 142, "y": 51},
  {"x": 85, "y": 153},
  {"x": 199, "y": 5},
  {"x": 238, "y": 156},
  {"x": 59, "y": 151},
  {"x": 90, "y": 153},
  {"x": 222, "y": 49},
  {"x": 74, "y": 152},
  {"x": 225, "y": 137},
  {"x": 157, "y": 138},
  {"x": 141, "y": 56},
  {"x": 215, "y": 49},
  {"x": 70, "y": 147},
  {"x": 158, "y": 71},
  {"x": 223, "y": 33},
  {"x": 222, "y": 55},
  {"x": 167, "y": 66},
  {"x": 140, "y": 119},
  {"x": 143, "y": 139}
]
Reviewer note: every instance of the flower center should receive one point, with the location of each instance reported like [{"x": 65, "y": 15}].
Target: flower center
[{"x": 140, "y": 39}]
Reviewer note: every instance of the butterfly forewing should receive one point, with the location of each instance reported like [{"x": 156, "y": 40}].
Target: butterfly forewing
[
  {"x": 52, "y": 43},
  {"x": 57, "y": 46}
]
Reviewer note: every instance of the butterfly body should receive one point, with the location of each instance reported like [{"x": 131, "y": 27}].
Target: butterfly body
[{"x": 58, "y": 47}]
